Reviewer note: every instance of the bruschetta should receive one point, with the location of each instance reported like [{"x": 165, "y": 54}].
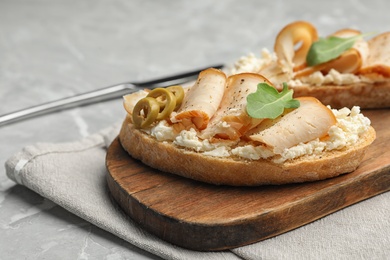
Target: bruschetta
[
  {"x": 344, "y": 69},
  {"x": 240, "y": 130}
]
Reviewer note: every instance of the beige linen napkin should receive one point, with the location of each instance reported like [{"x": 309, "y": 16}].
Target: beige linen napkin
[{"x": 73, "y": 175}]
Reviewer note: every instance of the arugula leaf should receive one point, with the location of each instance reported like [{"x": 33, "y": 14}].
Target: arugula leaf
[
  {"x": 267, "y": 102},
  {"x": 326, "y": 49}
]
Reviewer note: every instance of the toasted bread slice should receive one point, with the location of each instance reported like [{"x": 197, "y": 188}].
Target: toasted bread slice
[{"x": 167, "y": 157}]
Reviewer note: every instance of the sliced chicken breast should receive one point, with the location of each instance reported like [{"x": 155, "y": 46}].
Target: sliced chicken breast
[
  {"x": 202, "y": 99},
  {"x": 231, "y": 119},
  {"x": 310, "y": 121}
]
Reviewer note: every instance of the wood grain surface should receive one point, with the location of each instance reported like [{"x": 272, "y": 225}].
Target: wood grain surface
[{"x": 206, "y": 217}]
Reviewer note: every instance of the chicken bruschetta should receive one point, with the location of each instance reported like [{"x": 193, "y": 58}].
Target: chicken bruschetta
[
  {"x": 342, "y": 70},
  {"x": 240, "y": 130}
]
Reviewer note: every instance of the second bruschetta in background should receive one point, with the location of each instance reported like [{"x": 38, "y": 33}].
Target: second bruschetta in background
[{"x": 341, "y": 70}]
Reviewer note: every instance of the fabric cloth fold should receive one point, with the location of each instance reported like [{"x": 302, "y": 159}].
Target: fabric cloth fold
[{"x": 73, "y": 175}]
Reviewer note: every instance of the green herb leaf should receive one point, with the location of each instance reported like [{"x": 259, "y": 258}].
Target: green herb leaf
[
  {"x": 267, "y": 102},
  {"x": 326, "y": 49}
]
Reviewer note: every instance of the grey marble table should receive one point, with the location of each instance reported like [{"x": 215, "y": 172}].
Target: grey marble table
[{"x": 53, "y": 49}]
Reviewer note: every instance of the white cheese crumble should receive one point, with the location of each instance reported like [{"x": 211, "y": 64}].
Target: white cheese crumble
[
  {"x": 162, "y": 132},
  {"x": 310, "y": 148},
  {"x": 350, "y": 125},
  {"x": 189, "y": 139},
  {"x": 252, "y": 152},
  {"x": 251, "y": 63},
  {"x": 333, "y": 77},
  {"x": 221, "y": 151}
]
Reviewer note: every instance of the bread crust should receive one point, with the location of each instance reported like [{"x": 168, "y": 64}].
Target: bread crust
[
  {"x": 364, "y": 95},
  {"x": 167, "y": 157}
]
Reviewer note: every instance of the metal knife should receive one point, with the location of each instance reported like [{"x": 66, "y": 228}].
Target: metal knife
[{"x": 99, "y": 95}]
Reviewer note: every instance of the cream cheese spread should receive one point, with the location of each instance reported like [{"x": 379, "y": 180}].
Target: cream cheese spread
[
  {"x": 350, "y": 125},
  {"x": 251, "y": 63}
]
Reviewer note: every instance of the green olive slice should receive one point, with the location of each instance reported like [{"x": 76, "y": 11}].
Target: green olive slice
[
  {"x": 166, "y": 99},
  {"x": 178, "y": 91},
  {"x": 145, "y": 112}
]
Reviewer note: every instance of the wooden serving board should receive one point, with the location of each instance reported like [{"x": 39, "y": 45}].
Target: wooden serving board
[{"x": 206, "y": 217}]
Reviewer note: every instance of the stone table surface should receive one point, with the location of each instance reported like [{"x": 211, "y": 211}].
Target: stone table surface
[{"x": 54, "y": 49}]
